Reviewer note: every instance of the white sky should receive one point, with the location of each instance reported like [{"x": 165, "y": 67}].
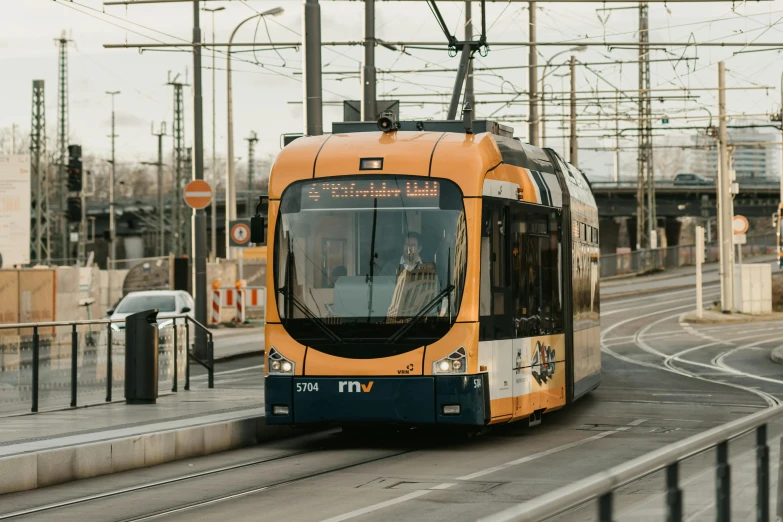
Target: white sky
[{"x": 265, "y": 97}]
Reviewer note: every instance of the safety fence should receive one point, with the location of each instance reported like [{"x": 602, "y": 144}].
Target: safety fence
[
  {"x": 52, "y": 365},
  {"x": 244, "y": 300},
  {"x": 602, "y": 487},
  {"x": 641, "y": 261}
]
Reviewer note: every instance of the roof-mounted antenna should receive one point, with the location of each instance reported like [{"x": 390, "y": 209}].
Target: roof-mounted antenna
[
  {"x": 467, "y": 50},
  {"x": 467, "y": 118}
]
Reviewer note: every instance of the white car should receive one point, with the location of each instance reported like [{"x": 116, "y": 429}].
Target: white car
[{"x": 169, "y": 303}]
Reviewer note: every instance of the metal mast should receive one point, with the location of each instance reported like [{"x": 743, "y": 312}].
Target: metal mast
[
  {"x": 40, "y": 180},
  {"x": 161, "y": 212},
  {"x": 251, "y": 160},
  {"x": 178, "y": 218},
  {"x": 112, "y": 181},
  {"x": 62, "y": 148},
  {"x": 645, "y": 213},
  {"x": 532, "y": 135},
  {"x": 368, "y": 109},
  {"x": 469, "y": 97},
  {"x": 313, "y": 95}
]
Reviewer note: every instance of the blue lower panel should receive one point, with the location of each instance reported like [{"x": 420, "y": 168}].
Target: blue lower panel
[
  {"x": 278, "y": 391},
  {"x": 398, "y": 400},
  {"x": 468, "y": 391},
  {"x": 407, "y": 400}
]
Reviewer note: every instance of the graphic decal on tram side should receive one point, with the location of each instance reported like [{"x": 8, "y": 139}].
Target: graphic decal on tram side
[{"x": 543, "y": 366}]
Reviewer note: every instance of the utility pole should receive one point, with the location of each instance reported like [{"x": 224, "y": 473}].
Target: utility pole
[
  {"x": 469, "y": 96},
  {"x": 251, "y": 160},
  {"x": 781, "y": 137},
  {"x": 617, "y": 137},
  {"x": 646, "y": 220},
  {"x": 532, "y": 78},
  {"x": 369, "y": 111},
  {"x": 40, "y": 178},
  {"x": 231, "y": 193},
  {"x": 313, "y": 114},
  {"x": 213, "y": 205},
  {"x": 573, "y": 146},
  {"x": 112, "y": 229},
  {"x": 199, "y": 220},
  {"x": 62, "y": 148},
  {"x": 725, "y": 202},
  {"x": 159, "y": 165}
]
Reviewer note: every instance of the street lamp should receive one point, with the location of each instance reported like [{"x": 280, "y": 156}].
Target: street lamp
[
  {"x": 577, "y": 49},
  {"x": 231, "y": 192},
  {"x": 213, "y": 204}
]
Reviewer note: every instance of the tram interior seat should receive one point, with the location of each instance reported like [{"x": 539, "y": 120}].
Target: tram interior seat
[{"x": 351, "y": 295}]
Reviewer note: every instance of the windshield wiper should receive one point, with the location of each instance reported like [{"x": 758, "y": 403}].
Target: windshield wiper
[
  {"x": 422, "y": 313},
  {"x": 317, "y": 321},
  {"x": 288, "y": 295}
]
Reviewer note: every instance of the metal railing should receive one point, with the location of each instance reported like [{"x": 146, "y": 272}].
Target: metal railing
[
  {"x": 641, "y": 261},
  {"x": 36, "y": 343},
  {"x": 601, "y": 486}
]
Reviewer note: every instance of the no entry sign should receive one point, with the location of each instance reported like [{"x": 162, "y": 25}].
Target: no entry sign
[{"x": 198, "y": 194}]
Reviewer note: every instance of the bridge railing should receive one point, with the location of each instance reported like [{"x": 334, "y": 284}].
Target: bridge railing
[
  {"x": 641, "y": 261},
  {"x": 602, "y": 486}
]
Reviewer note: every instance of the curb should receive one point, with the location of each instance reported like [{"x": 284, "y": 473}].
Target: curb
[
  {"x": 39, "y": 469},
  {"x": 777, "y": 355}
]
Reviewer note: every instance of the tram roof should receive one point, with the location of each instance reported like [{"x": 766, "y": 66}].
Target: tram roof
[{"x": 463, "y": 158}]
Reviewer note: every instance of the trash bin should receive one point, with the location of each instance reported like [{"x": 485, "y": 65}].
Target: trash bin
[{"x": 141, "y": 357}]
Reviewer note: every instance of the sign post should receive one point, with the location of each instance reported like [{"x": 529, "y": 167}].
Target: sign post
[
  {"x": 198, "y": 195},
  {"x": 739, "y": 226}
]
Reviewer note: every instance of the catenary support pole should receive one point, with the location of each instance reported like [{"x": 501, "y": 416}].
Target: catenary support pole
[
  {"x": 725, "y": 202},
  {"x": 199, "y": 217},
  {"x": 699, "y": 262},
  {"x": 313, "y": 95},
  {"x": 368, "y": 109},
  {"x": 469, "y": 93},
  {"x": 573, "y": 148},
  {"x": 617, "y": 138},
  {"x": 532, "y": 77},
  {"x": 214, "y": 177},
  {"x": 112, "y": 181}
]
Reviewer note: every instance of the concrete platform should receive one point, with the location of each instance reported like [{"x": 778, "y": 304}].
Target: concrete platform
[{"x": 60, "y": 446}]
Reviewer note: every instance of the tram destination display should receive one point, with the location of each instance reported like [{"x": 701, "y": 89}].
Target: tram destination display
[{"x": 386, "y": 192}]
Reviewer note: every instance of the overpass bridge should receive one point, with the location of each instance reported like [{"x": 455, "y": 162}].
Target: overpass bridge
[{"x": 677, "y": 204}]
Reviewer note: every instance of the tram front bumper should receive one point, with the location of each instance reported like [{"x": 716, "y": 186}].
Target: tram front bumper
[{"x": 448, "y": 399}]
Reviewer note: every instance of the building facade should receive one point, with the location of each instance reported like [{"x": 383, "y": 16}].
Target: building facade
[{"x": 758, "y": 162}]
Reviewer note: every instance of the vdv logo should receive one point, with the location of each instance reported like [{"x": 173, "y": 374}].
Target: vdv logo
[{"x": 354, "y": 387}]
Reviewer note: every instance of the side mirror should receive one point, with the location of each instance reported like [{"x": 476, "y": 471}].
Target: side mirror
[
  {"x": 110, "y": 311},
  {"x": 258, "y": 223},
  {"x": 185, "y": 309}
]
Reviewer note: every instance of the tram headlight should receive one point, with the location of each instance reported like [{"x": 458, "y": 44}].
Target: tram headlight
[
  {"x": 278, "y": 364},
  {"x": 455, "y": 363}
]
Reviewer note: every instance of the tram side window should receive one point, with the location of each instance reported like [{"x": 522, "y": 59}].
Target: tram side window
[
  {"x": 495, "y": 295},
  {"x": 536, "y": 269}
]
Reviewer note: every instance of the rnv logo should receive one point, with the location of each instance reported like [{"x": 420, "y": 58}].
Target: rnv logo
[{"x": 354, "y": 387}]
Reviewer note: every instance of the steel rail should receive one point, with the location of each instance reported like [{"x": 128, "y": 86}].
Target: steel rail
[{"x": 148, "y": 485}]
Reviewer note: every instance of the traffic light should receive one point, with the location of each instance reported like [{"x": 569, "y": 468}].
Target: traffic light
[
  {"x": 74, "y": 168},
  {"x": 74, "y": 175},
  {"x": 74, "y": 209}
]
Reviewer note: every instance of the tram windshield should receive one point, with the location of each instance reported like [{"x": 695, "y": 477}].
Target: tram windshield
[{"x": 372, "y": 259}]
